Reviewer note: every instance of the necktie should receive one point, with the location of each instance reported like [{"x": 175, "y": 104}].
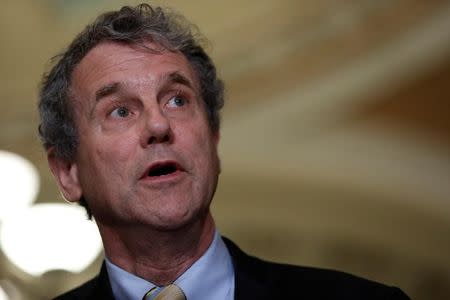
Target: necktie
[{"x": 170, "y": 292}]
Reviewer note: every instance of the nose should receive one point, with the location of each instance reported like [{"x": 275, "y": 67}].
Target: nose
[{"x": 157, "y": 128}]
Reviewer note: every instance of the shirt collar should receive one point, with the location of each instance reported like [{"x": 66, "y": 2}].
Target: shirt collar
[
  {"x": 210, "y": 277},
  {"x": 126, "y": 285}
]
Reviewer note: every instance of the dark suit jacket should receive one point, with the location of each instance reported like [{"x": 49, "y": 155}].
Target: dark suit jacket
[{"x": 258, "y": 279}]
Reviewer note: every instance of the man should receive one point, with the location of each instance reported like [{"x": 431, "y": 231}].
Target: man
[{"x": 130, "y": 121}]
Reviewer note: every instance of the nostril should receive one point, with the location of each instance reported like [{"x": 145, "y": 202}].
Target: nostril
[
  {"x": 166, "y": 138},
  {"x": 163, "y": 139}
]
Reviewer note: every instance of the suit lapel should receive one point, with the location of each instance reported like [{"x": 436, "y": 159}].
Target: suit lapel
[
  {"x": 248, "y": 281},
  {"x": 102, "y": 288}
]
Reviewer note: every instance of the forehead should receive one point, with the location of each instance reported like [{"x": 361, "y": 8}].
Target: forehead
[{"x": 132, "y": 65}]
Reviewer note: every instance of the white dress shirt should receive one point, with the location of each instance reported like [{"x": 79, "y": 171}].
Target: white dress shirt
[{"x": 210, "y": 277}]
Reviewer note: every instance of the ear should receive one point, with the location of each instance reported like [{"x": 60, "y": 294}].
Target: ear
[
  {"x": 216, "y": 138},
  {"x": 66, "y": 175}
]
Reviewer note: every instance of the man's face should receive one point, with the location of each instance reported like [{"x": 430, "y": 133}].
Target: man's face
[{"x": 146, "y": 154}]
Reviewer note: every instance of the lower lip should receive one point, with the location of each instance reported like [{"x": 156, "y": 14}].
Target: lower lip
[{"x": 172, "y": 177}]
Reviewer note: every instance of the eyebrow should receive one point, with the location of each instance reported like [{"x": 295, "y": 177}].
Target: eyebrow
[
  {"x": 176, "y": 77},
  {"x": 107, "y": 90},
  {"x": 169, "y": 78}
]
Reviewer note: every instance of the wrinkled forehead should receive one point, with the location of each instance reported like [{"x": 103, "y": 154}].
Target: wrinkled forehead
[
  {"x": 109, "y": 59},
  {"x": 131, "y": 65}
]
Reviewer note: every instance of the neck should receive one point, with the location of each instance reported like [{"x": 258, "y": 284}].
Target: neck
[{"x": 157, "y": 256}]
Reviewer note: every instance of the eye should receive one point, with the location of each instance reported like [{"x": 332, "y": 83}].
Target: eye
[
  {"x": 176, "y": 101},
  {"x": 120, "y": 112}
]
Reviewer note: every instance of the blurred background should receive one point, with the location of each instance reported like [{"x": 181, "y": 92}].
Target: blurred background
[{"x": 335, "y": 141}]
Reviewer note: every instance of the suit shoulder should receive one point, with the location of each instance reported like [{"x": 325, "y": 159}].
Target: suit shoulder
[
  {"x": 81, "y": 292},
  {"x": 97, "y": 288},
  {"x": 325, "y": 282},
  {"x": 311, "y": 283}
]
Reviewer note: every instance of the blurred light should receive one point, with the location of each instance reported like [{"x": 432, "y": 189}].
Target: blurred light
[
  {"x": 9, "y": 290},
  {"x": 3, "y": 295},
  {"x": 19, "y": 182},
  {"x": 48, "y": 237}
]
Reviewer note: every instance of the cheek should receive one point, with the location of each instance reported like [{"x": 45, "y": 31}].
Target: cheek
[
  {"x": 205, "y": 152},
  {"x": 192, "y": 139},
  {"x": 105, "y": 155},
  {"x": 116, "y": 150}
]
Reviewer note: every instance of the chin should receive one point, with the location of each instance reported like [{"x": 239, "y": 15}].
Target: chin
[
  {"x": 169, "y": 225},
  {"x": 179, "y": 220}
]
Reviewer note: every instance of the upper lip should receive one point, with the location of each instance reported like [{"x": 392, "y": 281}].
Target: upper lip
[{"x": 159, "y": 165}]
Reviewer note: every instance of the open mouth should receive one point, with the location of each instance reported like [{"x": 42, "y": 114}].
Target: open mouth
[{"x": 161, "y": 169}]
